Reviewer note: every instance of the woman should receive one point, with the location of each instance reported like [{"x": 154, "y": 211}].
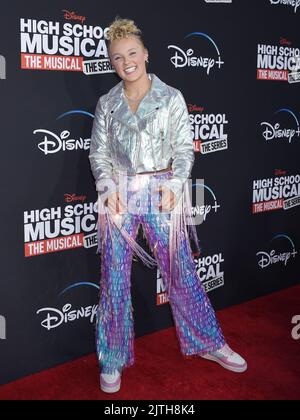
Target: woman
[{"x": 141, "y": 157}]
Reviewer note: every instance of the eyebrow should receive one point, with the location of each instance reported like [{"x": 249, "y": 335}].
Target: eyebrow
[{"x": 121, "y": 54}]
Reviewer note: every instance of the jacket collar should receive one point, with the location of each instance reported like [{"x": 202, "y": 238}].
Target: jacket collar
[{"x": 118, "y": 107}]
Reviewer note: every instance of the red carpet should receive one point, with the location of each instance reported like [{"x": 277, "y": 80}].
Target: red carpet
[{"x": 260, "y": 330}]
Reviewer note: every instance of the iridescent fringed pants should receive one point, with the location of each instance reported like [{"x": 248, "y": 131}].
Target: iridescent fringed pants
[{"x": 197, "y": 328}]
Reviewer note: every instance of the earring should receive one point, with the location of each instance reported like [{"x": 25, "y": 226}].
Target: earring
[{"x": 147, "y": 60}]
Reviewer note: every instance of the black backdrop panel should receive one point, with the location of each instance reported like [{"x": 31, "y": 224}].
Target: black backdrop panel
[{"x": 236, "y": 64}]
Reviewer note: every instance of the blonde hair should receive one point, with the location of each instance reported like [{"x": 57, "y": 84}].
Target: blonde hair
[{"x": 123, "y": 28}]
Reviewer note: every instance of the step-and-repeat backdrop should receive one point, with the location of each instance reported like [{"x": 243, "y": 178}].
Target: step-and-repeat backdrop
[{"x": 237, "y": 64}]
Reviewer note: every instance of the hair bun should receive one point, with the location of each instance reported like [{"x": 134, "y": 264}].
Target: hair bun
[{"x": 122, "y": 28}]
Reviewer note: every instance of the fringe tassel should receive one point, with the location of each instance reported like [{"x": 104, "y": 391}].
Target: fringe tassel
[
  {"x": 181, "y": 227},
  {"x": 106, "y": 219}
]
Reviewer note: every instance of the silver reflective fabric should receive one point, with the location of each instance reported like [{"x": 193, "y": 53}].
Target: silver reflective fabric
[{"x": 156, "y": 136}]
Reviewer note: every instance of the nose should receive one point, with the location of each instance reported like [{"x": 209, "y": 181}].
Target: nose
[{"x": 126, "y": 60}]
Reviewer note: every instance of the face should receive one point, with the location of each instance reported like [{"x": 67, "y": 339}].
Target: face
[{"x": 128, "y": 57}]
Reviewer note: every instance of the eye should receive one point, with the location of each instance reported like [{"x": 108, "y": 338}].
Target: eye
[{"x": 133, "y": 52}]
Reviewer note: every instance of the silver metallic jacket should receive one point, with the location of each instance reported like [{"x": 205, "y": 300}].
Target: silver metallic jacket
[{"x": 156, "y": 137}]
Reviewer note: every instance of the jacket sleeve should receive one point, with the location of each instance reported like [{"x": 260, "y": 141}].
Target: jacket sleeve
[
  {"x": 182, "y": 144},
  {"x": 100, "y": 154}
]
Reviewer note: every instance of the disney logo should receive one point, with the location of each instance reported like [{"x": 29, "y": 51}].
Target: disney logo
[
  {"x": 201, "y": 211},
  {"x": 54, "y": 317},
  {"x": 295, "y": 3},
  {"x": 195, "y": 108},
  {"x": 272, "y": 132},
  {"x": 271, "y": 258},
  {"x": 53, "y": 143},
  {"x": 69, "y": 198},
  {"x": 204, "y": 210},
  {"x": 183, "y": 59},
  {"x": 72, "y": 16},
  {"x": 279, "y": 172},
  {"x": 284, "y": 41}
]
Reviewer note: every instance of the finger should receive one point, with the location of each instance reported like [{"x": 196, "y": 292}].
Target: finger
[
  {"x": 167, "y": 199},
  {"x": 122, "y": 207},
  {"x": 170, "y": 204},
  {"x": 112, "y": 210},
  {"x": 162, "y": 203},
  {"x": 165, "y": 205},
  {"x": 112, "y": 206}
]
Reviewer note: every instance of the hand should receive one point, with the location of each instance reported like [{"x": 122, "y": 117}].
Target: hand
[
  {"x": 115, "y": 204},
  {"x": 168, "y": 199}
]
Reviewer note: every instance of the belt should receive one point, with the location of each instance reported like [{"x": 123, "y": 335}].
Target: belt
[{"x": 155, "y": 172}]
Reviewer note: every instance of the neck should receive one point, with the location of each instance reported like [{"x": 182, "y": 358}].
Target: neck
[{"x": 137, "y": 87}]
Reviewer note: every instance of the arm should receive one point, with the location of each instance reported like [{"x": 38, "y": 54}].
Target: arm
[
  {"x": 100, "y": 155},
  {"x": 182, "y": 144}
]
